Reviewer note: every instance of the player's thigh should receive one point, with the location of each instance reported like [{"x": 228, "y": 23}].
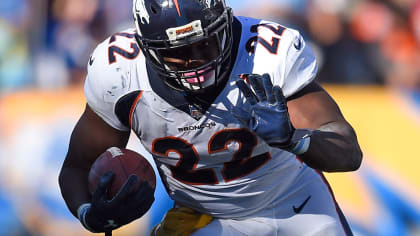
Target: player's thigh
[
  {"x": 295, "y": 225},
  {"x": 214, "y": 228},
  {"x": 310, "y": 225},
  {"x": 258, "y": 226}
]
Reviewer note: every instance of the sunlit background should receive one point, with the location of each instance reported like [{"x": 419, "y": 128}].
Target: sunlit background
[{"x": 369, "y": 57}]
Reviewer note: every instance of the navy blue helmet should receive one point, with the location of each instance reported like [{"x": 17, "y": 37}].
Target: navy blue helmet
[{"x": 188, "y": 42}]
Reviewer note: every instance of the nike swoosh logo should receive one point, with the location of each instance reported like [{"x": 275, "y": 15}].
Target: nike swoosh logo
[{"x": 297, "y": 210}]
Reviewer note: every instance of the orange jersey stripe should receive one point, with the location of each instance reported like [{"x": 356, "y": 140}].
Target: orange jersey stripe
[{"x": 133, "y": 106}]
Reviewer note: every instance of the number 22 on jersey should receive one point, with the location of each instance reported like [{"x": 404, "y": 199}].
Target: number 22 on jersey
[
  {"x": 277, "y": 32},
  {"x": 242, "y": 162},
  {"x": 114, "y": 50}
]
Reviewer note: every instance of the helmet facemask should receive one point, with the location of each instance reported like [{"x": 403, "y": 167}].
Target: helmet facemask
[{"x": 192, "y": 57}]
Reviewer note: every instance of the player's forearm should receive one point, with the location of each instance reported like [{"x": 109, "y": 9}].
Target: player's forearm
[
  {"x": 333, "y": 148},
  {"x": 74, "y": 189}
]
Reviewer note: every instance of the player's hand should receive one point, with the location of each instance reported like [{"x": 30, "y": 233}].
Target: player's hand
[
  {"x": 105, "y": 214},
  {"x": 268, "y": 115}
]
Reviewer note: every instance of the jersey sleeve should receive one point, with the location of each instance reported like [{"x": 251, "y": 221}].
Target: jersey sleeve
[
  {"x": 291, "y": 64},
  {"x": 105, "y": 83},
  {"x": 300, "y": 66}
]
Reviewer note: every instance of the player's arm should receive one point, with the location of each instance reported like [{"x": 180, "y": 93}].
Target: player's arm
[
  {"x": 333, "y": 144},
  {"x": 310, "y": 124},
  {"x": 97, "y": 213},
  {"x": 90, "y": 137}
]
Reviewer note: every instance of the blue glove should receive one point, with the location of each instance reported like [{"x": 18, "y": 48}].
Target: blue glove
[
  {"x": 268, "y": 116},
  {"x": 104, "y": 214}
]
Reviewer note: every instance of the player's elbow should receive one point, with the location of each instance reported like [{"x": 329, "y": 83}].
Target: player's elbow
[
  {"x": 350, "y": 160},
  {"x": 357, "y": 162},
  {"x": 355, "y": 159},
  {"x": 352, "y": 152},
  {"x": 64, "y": 176}
]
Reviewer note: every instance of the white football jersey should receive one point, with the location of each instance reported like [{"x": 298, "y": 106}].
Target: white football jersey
[{"x": 209, "y": 162}]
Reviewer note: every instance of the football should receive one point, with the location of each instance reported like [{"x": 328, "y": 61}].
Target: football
[{"x": 123, "y": 162}]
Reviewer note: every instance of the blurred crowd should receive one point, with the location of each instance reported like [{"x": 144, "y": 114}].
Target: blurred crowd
[{"x": 46, "y": 43}]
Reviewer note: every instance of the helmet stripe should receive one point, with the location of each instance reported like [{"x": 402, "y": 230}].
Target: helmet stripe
[{"x": 177, "y": 7}]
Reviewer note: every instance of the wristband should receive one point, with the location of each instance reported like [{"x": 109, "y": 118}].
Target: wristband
[
  {"x": 81, "y": 215},
  {"x": 301, "y": 146},
  {"x": 298, "y": 143}
]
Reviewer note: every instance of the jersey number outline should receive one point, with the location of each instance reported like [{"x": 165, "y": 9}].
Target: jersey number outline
[
  {"x": 242, "y": 163},
  {"x": 272, "y": 47},
  {"x": 113, "y": 49}
]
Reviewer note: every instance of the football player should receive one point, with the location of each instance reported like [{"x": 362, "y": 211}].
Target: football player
[{"x": 229, "y": 108}]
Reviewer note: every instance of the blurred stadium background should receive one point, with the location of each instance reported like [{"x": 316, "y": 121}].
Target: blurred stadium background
[{"x": 369, "y": 56}]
